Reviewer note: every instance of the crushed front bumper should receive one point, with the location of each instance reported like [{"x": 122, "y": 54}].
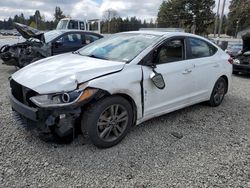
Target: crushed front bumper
[
  {"x": 62, "y": 119},
  {"x": 24, "y": 110}
]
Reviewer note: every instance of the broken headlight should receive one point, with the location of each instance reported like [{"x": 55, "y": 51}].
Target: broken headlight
[{"x": 63, "y": 99}]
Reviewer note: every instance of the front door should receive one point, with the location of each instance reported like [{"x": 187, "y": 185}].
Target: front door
[
  {"x": 177, "y": 73},
  {"x": 67, "y": 43}
]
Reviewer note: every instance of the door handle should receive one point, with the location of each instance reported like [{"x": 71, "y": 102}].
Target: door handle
[
  {"x": 187, "y": 71},
  {"x": 216, "y": 65}
]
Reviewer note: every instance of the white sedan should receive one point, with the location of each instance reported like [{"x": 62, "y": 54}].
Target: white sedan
[{"x": 120, "y": 81}]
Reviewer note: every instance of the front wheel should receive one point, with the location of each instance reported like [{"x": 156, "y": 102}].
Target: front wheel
[
  {"x": 108, "y": 121},
  {"x": 218, "y": 92}
]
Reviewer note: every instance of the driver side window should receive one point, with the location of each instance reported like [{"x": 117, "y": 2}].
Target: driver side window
[
  {"x": 71, "y": 39},
  {"x": 171, "y": 51}
]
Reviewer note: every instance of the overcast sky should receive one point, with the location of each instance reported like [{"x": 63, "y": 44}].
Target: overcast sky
[{"x": 83, "y": 9}]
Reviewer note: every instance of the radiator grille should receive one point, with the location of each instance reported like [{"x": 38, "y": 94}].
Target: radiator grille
[
  {"x": 16, "y": 90},
  {"x": 21, "y": 93}
]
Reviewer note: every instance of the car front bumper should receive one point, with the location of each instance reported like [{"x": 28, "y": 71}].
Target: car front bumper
[
  {"x": 241, "y": 68},
  {"x": 62, "y": 118},
  {"x": 24, "y": 110}
]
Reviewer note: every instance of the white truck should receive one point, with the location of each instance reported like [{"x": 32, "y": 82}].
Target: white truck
[{"x": 68, "y": 23}]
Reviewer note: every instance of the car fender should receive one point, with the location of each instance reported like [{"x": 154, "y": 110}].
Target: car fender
[{"x": 126, "y": 82}]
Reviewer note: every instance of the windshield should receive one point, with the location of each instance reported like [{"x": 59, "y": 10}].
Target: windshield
[
  {"x": 62, "y": 24},
  {"x": 122, "y": 47},
  {"x": 51, "y": 35},
  {"x": 235, "y": 47}
]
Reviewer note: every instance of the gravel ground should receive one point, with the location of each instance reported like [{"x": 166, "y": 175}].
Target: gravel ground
[{"x": 214, "y": 150}]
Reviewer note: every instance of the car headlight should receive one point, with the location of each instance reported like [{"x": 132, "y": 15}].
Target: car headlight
[{"x": 63, "y": 99}]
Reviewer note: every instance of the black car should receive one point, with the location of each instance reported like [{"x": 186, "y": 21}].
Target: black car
[
  {"x": 40, "y": 45},
  {"x": 242, "y": 61},
  {"x": 233, "y": 49}
]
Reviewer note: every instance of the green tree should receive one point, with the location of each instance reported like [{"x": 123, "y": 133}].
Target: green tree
[
  {"x": 33, "y": 24},
  {"x": 239, "y": 16},
  {"x": 58, "y": 15},
  {"x": 38, "y": 19},
  {"x": 187, "y": 14}
]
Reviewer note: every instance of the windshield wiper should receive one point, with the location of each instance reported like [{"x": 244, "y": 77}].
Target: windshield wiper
[
  {"x": 97, "y": 57},
  {"x": 76, "y": 52}
]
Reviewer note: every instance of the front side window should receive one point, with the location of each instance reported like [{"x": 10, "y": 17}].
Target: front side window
[
  {"x": 171, "y": 51},
  {"x": 200, "y": 48},
  {"x": 71, "y": 39},
  {"x": 122, "y": 47}
]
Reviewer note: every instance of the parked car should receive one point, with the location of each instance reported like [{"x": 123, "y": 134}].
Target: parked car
[
  {"x": 242, "y": 60},
  {"x": 120, "y": 81},
  {"x": 40, "y": 45},
  {"x": 234, "y": 49}
]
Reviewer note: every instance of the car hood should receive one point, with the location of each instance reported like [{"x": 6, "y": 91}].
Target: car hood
[
  {"x": 28, "y": 32},
  {"x": 63, "y": 72}
]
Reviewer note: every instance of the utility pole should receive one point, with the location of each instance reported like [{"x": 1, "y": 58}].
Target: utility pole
[
  {"x": 237, "y": 28},
  {"x": 194, "y": 24},
  {"x": 222, "y": 15},
  {"x": 216, "y": 19},
  {"x": 36, "y": 22}
]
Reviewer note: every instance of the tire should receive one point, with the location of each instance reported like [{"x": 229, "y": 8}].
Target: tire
[
  {"x": 107, "y": 121},
  {"x": 218, "y": 92}
]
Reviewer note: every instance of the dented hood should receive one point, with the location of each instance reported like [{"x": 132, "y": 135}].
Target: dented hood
[
  {"x": 27, "y": 31},
  {"x": 63, "y": 72}
]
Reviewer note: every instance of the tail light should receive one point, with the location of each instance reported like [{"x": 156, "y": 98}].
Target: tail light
[{"x": 231, "y": 60}]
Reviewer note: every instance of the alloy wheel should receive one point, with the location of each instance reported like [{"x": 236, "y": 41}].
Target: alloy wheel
[{"x": 112, "y": 122}]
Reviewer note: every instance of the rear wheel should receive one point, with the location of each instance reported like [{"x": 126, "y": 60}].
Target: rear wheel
[
  {"x": 218, "y": 92},
  {"x": 108, "y": 121}
]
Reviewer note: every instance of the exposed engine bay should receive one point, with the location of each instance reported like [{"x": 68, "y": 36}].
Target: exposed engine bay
[{"x": 21, "y": 54}]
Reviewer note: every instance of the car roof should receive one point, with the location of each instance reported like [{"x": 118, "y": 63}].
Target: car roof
[
  {"x": 75, "y": 30},
  {"x": 162, "y": 33},
  {"x": 170, "y": 34}
]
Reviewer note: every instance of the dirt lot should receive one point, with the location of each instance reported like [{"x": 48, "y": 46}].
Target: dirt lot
[{"x": 214, "y": 150}]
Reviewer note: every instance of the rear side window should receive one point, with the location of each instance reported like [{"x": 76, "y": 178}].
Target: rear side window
[
  {"x": 201, "y": 48},
  {"x": 90, "y": 38}
]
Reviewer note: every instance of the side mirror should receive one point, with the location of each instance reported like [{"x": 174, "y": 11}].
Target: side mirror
[
  {"x": 57, "y": 44},
  {"x": 158, "y": 80}
]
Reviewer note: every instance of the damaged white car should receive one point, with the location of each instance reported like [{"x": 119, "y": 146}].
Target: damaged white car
[{"x": 120, "y": 81}]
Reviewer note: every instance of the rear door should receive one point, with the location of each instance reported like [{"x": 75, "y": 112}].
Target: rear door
[
  {"x": 207, "y": 66},
  {"x": 177, "y": 71}
]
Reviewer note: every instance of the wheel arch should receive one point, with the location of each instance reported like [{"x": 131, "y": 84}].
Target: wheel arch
[
  {"x": 132, "y": 103},
  {"x": 226, "y": 79},
  {"x": 103, "y": 93}
]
